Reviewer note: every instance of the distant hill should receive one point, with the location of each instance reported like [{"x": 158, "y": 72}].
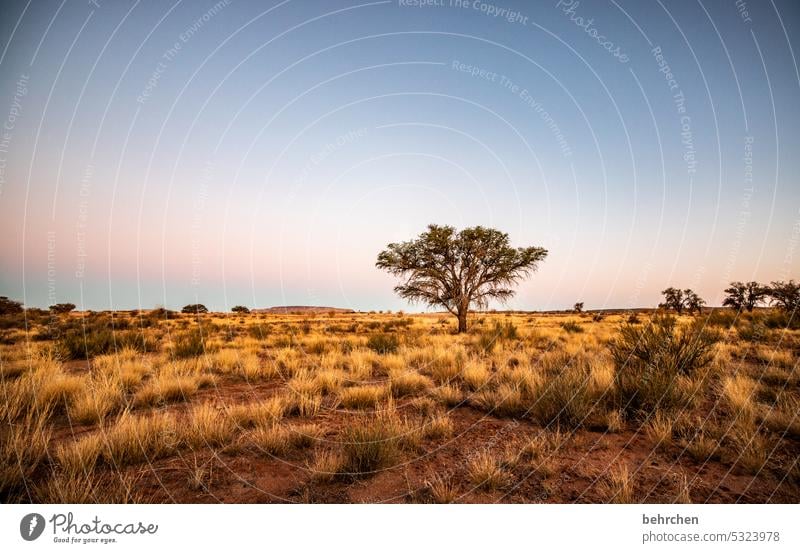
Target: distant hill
[{"x": 302, "y": 309}]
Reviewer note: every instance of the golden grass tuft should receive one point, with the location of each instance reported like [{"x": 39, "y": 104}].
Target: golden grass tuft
[
  {"x": 261, "y": 413},
  {"x": 363, "y": 397},
  {"x": 485, "y": 472}
]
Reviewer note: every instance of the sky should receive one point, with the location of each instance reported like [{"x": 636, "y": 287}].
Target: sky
[{"x": 263, "y": 153}]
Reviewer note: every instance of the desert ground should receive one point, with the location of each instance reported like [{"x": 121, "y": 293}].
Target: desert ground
[{"x": 162, "y": 407}]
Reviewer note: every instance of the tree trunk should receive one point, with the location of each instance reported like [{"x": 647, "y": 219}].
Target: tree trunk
[{"x": 462, "y": 320}]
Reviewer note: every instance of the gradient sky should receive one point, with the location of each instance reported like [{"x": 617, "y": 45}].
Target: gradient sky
[{"x": 158, "y": 153}]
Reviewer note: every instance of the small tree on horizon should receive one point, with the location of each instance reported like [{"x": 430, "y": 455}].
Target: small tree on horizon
[
  {"x": 692, "y": 302},
  {"x": 9, "y": 307},
  {"x": 459, "y": 270},
  {"x": 240, "y": 309},
  {"x": 62, "y": 307},
  {"x": 673, "y": 299},
  {"x": 745, "y": 296},
  {"x": 578, "y": 307},
  {"x": 194, "y": 308}
]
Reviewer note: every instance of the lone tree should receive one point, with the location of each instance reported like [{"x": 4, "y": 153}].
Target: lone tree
[
  {"x": 459, "y": 270},
  {"x": 195, "y": 308},
  {"x": 742, "y": 295},
  {"x": 786, "y": 295},
  {"x": 240, "y": 309},
  {"x": 578, "y": 307},
  {"x": 62, "y": 307}
]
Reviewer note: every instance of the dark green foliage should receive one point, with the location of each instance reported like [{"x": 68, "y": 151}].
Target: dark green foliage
[
  {"x": 194, "y": 308},
  {"x": 240, "y": 309},
  {"x": 9, "y": 307},
  {"x": 785, "y": 295},
  {"x": 62, "y": 307},
  {"x": 745, "y": 296}
]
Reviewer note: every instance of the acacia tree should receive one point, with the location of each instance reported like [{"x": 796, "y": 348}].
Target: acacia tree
[
  {"x": 692, "y": 301},
  {"x": 786, "y": 295},
  {"x": 194, "y": 308},
  {"x": 578, "y": 307},
  {"x": 742, "y": 295},
  {"x": 673, "y": 299},
  {"x": 459, "y": 270},
  {"x": 240, "y": 309}
]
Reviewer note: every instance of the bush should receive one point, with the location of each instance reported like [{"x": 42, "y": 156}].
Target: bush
[
  {"x": 383, "y": 343},
  {"x": 62, "y": 307},
  {"x": 240, "y": 309},
  {"x": 189, "y": 344},
  {"x": 654, "y": 360},
  {"x": 85, "y": 342},
  {"x": 572, "y": 327}
]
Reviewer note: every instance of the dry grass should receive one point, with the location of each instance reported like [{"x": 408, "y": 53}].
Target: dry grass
[
  {"x": 486, "y": 472},
  {"x": 262, "y": 413},
  {"x": 408, "y": 383},
  {"x": 169, "y": 388},
  {"x": 441, "y": 490},
  {"x": 206, "y": 427},
  {"x": 363, "y": 397},
  {"x": 281, "y": 383},
  {"x": 618, "y": 486},
  {"x": 132, "y": 439}
]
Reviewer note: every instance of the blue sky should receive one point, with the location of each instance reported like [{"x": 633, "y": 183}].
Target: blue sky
[{"x": 161, "y": 153}]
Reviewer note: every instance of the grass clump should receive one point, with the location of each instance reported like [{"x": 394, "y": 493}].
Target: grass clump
[{"x": 654, "y": 362}]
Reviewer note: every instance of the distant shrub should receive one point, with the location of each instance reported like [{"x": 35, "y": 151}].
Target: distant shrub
[
  {"x": 383, "y": 343},
  {"x": 85, "y": 342},
  {"x": 240, "y": 309},
  {"x": 62, "y": 307},
  {"x": 9, "y": 307},
  {"x": 597, "y": 317},
  {"x": 194, "y": 308}
]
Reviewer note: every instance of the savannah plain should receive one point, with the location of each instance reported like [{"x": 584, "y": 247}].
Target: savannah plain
[{"x": 628, "y": 406}]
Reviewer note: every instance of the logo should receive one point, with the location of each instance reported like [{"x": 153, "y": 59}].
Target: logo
[{"x": 31, "y": 526}]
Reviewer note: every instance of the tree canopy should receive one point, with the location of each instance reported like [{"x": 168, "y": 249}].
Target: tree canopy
[{"x": 459, "y": 270}]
